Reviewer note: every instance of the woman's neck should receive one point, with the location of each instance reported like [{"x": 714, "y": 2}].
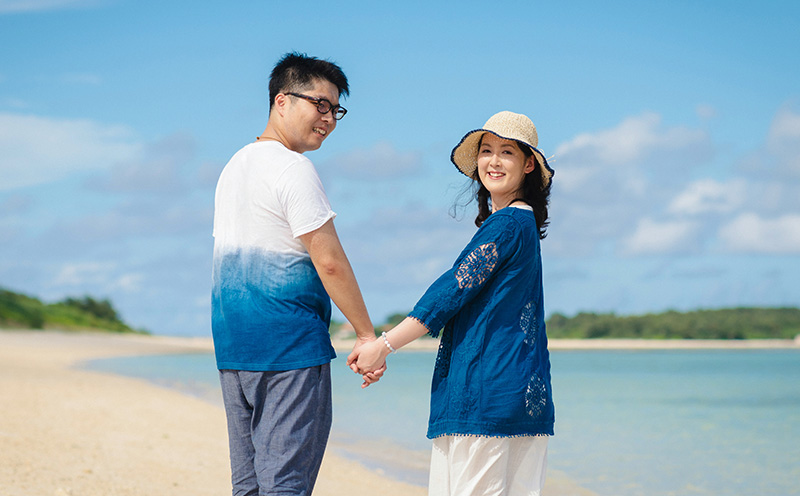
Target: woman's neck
[{"x": 501, "y": 203}]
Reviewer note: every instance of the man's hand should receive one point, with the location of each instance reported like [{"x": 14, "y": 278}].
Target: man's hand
[{"x": 374, "y": 373}]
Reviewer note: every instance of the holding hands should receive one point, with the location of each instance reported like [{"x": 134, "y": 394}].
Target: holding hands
[{"x": 368, "y": 358}]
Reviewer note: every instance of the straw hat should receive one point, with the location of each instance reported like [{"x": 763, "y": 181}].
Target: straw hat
[{"x": 506, "y": 125}]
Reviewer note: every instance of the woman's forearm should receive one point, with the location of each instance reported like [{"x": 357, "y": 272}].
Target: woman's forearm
[{"x": 405, "y": 332}]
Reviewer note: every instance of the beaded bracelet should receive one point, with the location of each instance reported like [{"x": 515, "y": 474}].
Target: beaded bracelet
[{"x": 388, "y": 345}]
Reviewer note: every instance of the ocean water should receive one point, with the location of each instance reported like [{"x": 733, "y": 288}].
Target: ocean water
[{"x": 636, "y": 423}]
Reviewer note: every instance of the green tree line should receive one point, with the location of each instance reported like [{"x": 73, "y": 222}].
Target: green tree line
[
  {"x": 22, "y": 311},
  {"x": 732, "y": 323}
]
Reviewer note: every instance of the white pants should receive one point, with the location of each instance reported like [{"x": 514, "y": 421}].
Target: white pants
[{"x": 488, "y": 466}]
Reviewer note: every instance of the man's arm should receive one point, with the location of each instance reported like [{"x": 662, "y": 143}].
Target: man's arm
[{"x": 337, "y": 276}]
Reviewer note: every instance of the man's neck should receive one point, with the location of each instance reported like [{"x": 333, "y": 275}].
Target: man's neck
[{"x": 273, "y": 133}]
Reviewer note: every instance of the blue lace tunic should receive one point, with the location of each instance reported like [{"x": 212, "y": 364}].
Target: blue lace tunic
[{"x": 492, "y": 374}]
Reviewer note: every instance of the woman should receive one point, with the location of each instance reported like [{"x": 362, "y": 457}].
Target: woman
[{"x": 491, "y": 400}]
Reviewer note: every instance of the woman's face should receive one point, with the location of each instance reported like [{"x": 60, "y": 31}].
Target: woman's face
[{"x": 502, "y": 167}]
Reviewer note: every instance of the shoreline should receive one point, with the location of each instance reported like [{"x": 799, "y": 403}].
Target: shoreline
[
  {"x": 200, "y": 344},
  {"x": 71, "y": 431},
  {"x": 673, "y": 344},
  {"x": 345, "y": 345}
]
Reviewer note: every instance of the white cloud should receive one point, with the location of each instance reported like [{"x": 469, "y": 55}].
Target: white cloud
[
  {"x": 207, "y": 174},
  {"x": 14, "y": 103},
  {"x": 632, "y": 140},
  {"x": 157, "y": 169},
  {"x": 15, "y": 204},
  {"x": 705, "y": 111},
  {"x": 665, "y": 237},
  {"x": 709, "y": 196},
  {"x": 83, "y": 274},
  {"x": 11, "y": 6},
  {"x": 379, "y": 162},
  {"x": 95, "y": 276},
  {"x": 408, "y": 246},
  {"x": 139, "y": 220},
  {"x": 82, "y": 78},
  {"x": 610, "y": 180},
  {"x": 571, "y": 178},
  {"x": 36, "y": 150},
  {"x": 785, "y": 126},
  {"x": 127, "y": 282},
  {"x": 751, "y": 233},
  {"x": 783, "y": 142},
  {"x": 638, "y": 162}
]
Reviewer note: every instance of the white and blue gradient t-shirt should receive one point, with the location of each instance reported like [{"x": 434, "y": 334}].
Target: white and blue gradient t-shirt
[{"x": 269, "y": 308}]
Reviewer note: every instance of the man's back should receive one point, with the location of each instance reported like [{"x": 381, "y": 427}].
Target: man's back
[
  {"x": 270, "y": 310},
  {"x": 276, "y": 252}
]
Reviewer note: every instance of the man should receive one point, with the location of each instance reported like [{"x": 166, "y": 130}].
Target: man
[{"x": 277, "y": 258}]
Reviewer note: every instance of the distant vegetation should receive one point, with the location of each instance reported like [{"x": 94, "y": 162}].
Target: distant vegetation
[
  {"x": 21, "y": 311},
  {"x": 344, "y": 330},
  {"x": 733, "y": 323}
]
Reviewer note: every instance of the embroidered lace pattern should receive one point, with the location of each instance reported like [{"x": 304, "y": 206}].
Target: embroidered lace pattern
[
  {"x": 472, "y": 272},
  {"x": 528, "y": 323},
  {"x": 445, "y": 352},
  {"x": 536, "y": 396},
  {"x": 477, "y": 266}
]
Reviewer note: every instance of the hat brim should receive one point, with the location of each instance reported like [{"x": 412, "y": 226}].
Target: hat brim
[{"x": 465, "y": 155}]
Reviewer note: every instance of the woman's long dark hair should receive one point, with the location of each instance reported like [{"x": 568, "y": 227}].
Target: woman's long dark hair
[{"x": 532, "y": 192}]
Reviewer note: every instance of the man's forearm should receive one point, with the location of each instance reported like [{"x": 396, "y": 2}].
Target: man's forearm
[
  {"x": 337, "y": 276},
  {"x": 340, "y": 283}
]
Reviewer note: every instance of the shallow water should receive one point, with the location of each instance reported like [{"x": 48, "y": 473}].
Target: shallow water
[{"x": 653, "y": 423}]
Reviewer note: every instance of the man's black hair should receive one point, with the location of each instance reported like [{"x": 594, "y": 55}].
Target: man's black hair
[{"x": 297, "y": 71}]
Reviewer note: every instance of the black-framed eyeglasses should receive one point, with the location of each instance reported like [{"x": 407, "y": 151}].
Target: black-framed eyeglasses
[{"x": 323, "y": 105}]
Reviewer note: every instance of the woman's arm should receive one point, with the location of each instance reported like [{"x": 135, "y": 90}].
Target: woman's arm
[{"x": 489, "y": 249}]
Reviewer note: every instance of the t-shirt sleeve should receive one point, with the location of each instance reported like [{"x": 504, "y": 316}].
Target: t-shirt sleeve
[
  {"x": 302, "y": 197},
  {"x": 485, "y": 255}
]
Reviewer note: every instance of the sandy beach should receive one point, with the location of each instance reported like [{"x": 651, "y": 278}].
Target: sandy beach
[
  {"x": 71, "y": 432},
  {"x": 67, "y": 431}
]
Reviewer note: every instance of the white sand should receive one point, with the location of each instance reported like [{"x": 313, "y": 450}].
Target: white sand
[
  {"x": 71, "y": 432},
  {"x": 65, "y": 431}
]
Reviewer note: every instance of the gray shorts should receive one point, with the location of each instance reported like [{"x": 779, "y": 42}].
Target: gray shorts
[{"x": 278, "y": 427}]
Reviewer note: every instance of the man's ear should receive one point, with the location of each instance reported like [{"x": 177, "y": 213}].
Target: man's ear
[{"x": 281, "y": 101}]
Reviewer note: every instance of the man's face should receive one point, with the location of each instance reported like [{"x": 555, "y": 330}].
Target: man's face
[{"x": 306, "y": 128}]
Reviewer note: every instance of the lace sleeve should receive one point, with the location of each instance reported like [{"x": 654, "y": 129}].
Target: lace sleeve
[
  {"x": 477, "y": 267},
  {"x": 474, "y": 269}
]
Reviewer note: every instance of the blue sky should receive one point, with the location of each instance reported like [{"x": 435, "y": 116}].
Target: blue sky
[{"x": 674, "y": 127}]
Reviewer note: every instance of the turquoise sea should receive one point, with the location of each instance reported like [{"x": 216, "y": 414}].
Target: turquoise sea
[{"x": 628, "y": 423}]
